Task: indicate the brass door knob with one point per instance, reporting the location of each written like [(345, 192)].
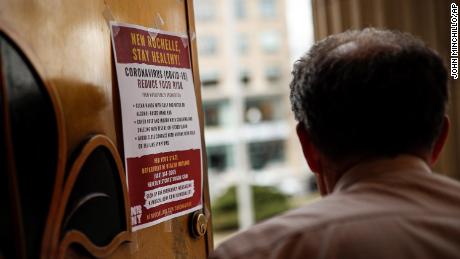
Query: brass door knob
[(199, 224)]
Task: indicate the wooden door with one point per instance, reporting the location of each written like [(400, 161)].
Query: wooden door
[(61, 141)]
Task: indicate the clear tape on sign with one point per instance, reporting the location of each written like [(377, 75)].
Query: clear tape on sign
[(191, 35), (158, 21), (207, 213), (108, 17), (168, 226)]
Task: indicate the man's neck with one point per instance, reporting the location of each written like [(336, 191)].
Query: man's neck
[(333, 171)]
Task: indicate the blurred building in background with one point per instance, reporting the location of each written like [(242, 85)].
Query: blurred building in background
[(261, 45)]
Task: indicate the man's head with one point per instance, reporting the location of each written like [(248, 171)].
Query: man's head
[(370, 93)]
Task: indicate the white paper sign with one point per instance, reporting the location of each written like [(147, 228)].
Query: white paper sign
[(161, 132)]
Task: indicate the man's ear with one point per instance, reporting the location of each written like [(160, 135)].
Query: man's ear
[(440, 141), (309, 150)]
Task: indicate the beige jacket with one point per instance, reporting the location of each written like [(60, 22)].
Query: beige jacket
[(393, 208)]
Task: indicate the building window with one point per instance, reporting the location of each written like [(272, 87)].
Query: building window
[(207, 45), (242, 44), (209, 79), (240, 9), (262, 154), (268, 8), (263, 109), (245, 78), (216, 113), (205, 10), (273, 74), (270, 41), (219, 158)]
